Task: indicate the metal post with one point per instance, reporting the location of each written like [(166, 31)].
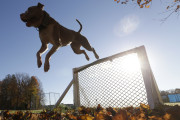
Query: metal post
[(152, 90), (49, 99), (64, 93), (76, 88)]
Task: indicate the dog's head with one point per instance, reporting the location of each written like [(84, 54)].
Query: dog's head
[(33, 15)]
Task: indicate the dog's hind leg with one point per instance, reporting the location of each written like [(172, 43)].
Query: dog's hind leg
[(76, 48), (85, 44)]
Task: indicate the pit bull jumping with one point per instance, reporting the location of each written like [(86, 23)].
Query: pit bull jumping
[(50, 31)]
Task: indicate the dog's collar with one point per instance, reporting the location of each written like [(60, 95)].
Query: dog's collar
[(45, 21)]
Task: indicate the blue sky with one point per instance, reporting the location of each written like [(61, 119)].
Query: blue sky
[(110, 28)]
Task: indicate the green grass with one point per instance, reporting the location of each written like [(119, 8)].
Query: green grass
[(32, 111)]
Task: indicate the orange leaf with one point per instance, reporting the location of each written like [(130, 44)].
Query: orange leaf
[(147, 6), (167, 116), (121, 115)]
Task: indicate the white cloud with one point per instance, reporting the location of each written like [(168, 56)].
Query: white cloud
[(127, 25)]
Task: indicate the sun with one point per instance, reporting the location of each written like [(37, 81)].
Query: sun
[(128, 64), (131, 63)]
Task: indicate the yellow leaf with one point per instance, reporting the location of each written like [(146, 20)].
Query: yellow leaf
[(144, 106), (89, 117), (167, 116), (147, 6), (100, 116), (83, 117)]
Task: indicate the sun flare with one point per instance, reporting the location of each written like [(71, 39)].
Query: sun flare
[(128, 64), (131, 63)]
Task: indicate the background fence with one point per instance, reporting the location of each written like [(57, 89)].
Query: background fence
[(51, 98)]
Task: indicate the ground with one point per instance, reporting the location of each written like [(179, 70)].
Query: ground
[(161, 112)]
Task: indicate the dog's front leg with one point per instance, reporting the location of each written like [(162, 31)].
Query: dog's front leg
[(52, 51), (43, 48)]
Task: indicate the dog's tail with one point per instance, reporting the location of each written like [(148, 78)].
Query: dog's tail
[(80, 26)]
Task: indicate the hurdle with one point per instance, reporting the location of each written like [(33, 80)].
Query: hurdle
[(121, 80)]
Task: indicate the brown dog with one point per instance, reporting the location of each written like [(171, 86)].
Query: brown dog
[(50, 31)]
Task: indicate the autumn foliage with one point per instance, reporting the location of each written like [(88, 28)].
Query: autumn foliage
[(140, 3), (173, 6), (19, 91), (82, 113)]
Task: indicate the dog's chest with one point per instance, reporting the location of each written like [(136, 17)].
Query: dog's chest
[(46, 35)]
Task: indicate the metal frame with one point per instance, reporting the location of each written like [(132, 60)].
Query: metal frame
[(64, 93), (153, 94)]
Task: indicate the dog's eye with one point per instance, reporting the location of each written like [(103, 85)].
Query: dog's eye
[(29, 10)]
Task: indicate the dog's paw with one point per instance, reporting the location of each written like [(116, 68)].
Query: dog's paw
[(97, 57), (39, 63), (95, 54), (87, 58), (46, 66)]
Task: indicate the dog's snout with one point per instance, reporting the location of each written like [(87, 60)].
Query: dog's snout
[(22, 16)]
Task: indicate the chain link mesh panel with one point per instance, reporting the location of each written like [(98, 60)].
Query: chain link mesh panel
[(115, 83)]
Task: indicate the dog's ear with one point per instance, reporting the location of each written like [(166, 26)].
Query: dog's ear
[(40, 6)]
